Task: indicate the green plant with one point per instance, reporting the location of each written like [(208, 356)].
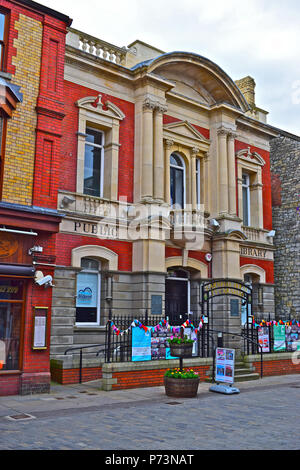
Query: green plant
[(179, 340), (181, 374)]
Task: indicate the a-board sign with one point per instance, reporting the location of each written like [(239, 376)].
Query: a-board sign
[(224, 371)]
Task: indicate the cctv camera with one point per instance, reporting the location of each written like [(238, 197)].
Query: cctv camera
[(44, 281), (271, 234), (214, 223)]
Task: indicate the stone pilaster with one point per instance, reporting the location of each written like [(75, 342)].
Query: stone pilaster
[(231, 174), (158, 157), (223, 170)]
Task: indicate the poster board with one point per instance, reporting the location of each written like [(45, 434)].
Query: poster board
[(141, 345), (279, 338), (292, 337), (224, 371), (39, 336), (264, 338)]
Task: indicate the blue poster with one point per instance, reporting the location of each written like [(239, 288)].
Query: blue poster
[(141, 345), (87, 290)]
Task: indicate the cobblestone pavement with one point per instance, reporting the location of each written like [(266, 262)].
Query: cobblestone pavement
[(264, 416)]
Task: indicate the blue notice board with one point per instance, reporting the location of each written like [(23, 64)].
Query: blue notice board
[(141, 345)]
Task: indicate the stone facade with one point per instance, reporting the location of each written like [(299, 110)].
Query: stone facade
[(285, 167)]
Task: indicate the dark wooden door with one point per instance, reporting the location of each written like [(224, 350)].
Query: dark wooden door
[(176, 301)]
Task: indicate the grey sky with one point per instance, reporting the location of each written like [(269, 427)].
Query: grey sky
[(260, 38)]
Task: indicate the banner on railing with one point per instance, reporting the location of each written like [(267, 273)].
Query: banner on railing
[(264, 338), (151, 343)]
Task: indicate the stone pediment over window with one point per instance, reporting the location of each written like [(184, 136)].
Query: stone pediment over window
[(95, 105), (182, 132), (250, 157)]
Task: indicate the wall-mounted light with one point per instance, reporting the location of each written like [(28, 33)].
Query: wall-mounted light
[(108, 296), (260, 297)]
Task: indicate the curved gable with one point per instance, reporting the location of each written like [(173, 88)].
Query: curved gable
[(206, 80)]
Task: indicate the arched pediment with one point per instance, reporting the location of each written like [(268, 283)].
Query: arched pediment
[(203, 77), (94, 104), (252, 157)]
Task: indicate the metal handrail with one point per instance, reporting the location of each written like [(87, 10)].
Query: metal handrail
[(80, 348)]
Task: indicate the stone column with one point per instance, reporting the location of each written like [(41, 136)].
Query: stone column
[(158, 170), (206, 182), (147, 149), (223, 171), (231, 174), (168, 146), (194, 153)]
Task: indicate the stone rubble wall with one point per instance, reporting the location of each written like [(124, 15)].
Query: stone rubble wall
[(285, 169)]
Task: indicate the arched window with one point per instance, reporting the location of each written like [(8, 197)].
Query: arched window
[(177, 180), (88, 293)]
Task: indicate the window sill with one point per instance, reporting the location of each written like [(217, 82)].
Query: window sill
[(89, 327)]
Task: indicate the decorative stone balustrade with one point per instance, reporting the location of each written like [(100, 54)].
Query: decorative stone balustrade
[(96, 47), (257, 235)]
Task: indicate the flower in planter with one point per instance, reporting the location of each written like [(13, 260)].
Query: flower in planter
[(179, 340), (181, 374)]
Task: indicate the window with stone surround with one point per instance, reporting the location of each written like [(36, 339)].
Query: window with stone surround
[(250, 198), (88, 288), (98, 147)]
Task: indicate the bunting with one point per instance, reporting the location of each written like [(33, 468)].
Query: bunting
[(273, 322), (160, 325)]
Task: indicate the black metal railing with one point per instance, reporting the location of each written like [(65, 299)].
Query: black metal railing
[(118, 338), (118, 347), (80, 349)]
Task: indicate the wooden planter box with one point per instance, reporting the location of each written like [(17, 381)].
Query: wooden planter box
[(181, 350), (181, 388)]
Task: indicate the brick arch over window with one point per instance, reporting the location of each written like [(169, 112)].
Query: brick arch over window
[(253, 269), (109, 257)]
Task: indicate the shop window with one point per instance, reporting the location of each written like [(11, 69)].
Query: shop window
[(11, 309), (93, 162), (177, 181), (88, 293)]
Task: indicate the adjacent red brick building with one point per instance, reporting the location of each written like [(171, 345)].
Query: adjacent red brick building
[(31, 74)]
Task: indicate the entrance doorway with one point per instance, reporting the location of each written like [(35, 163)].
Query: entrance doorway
[(177, 303)]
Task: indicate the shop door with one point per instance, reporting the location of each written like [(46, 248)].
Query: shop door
[(176, 301)]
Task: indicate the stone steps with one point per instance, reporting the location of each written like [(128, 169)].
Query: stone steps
[(242, 373)]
